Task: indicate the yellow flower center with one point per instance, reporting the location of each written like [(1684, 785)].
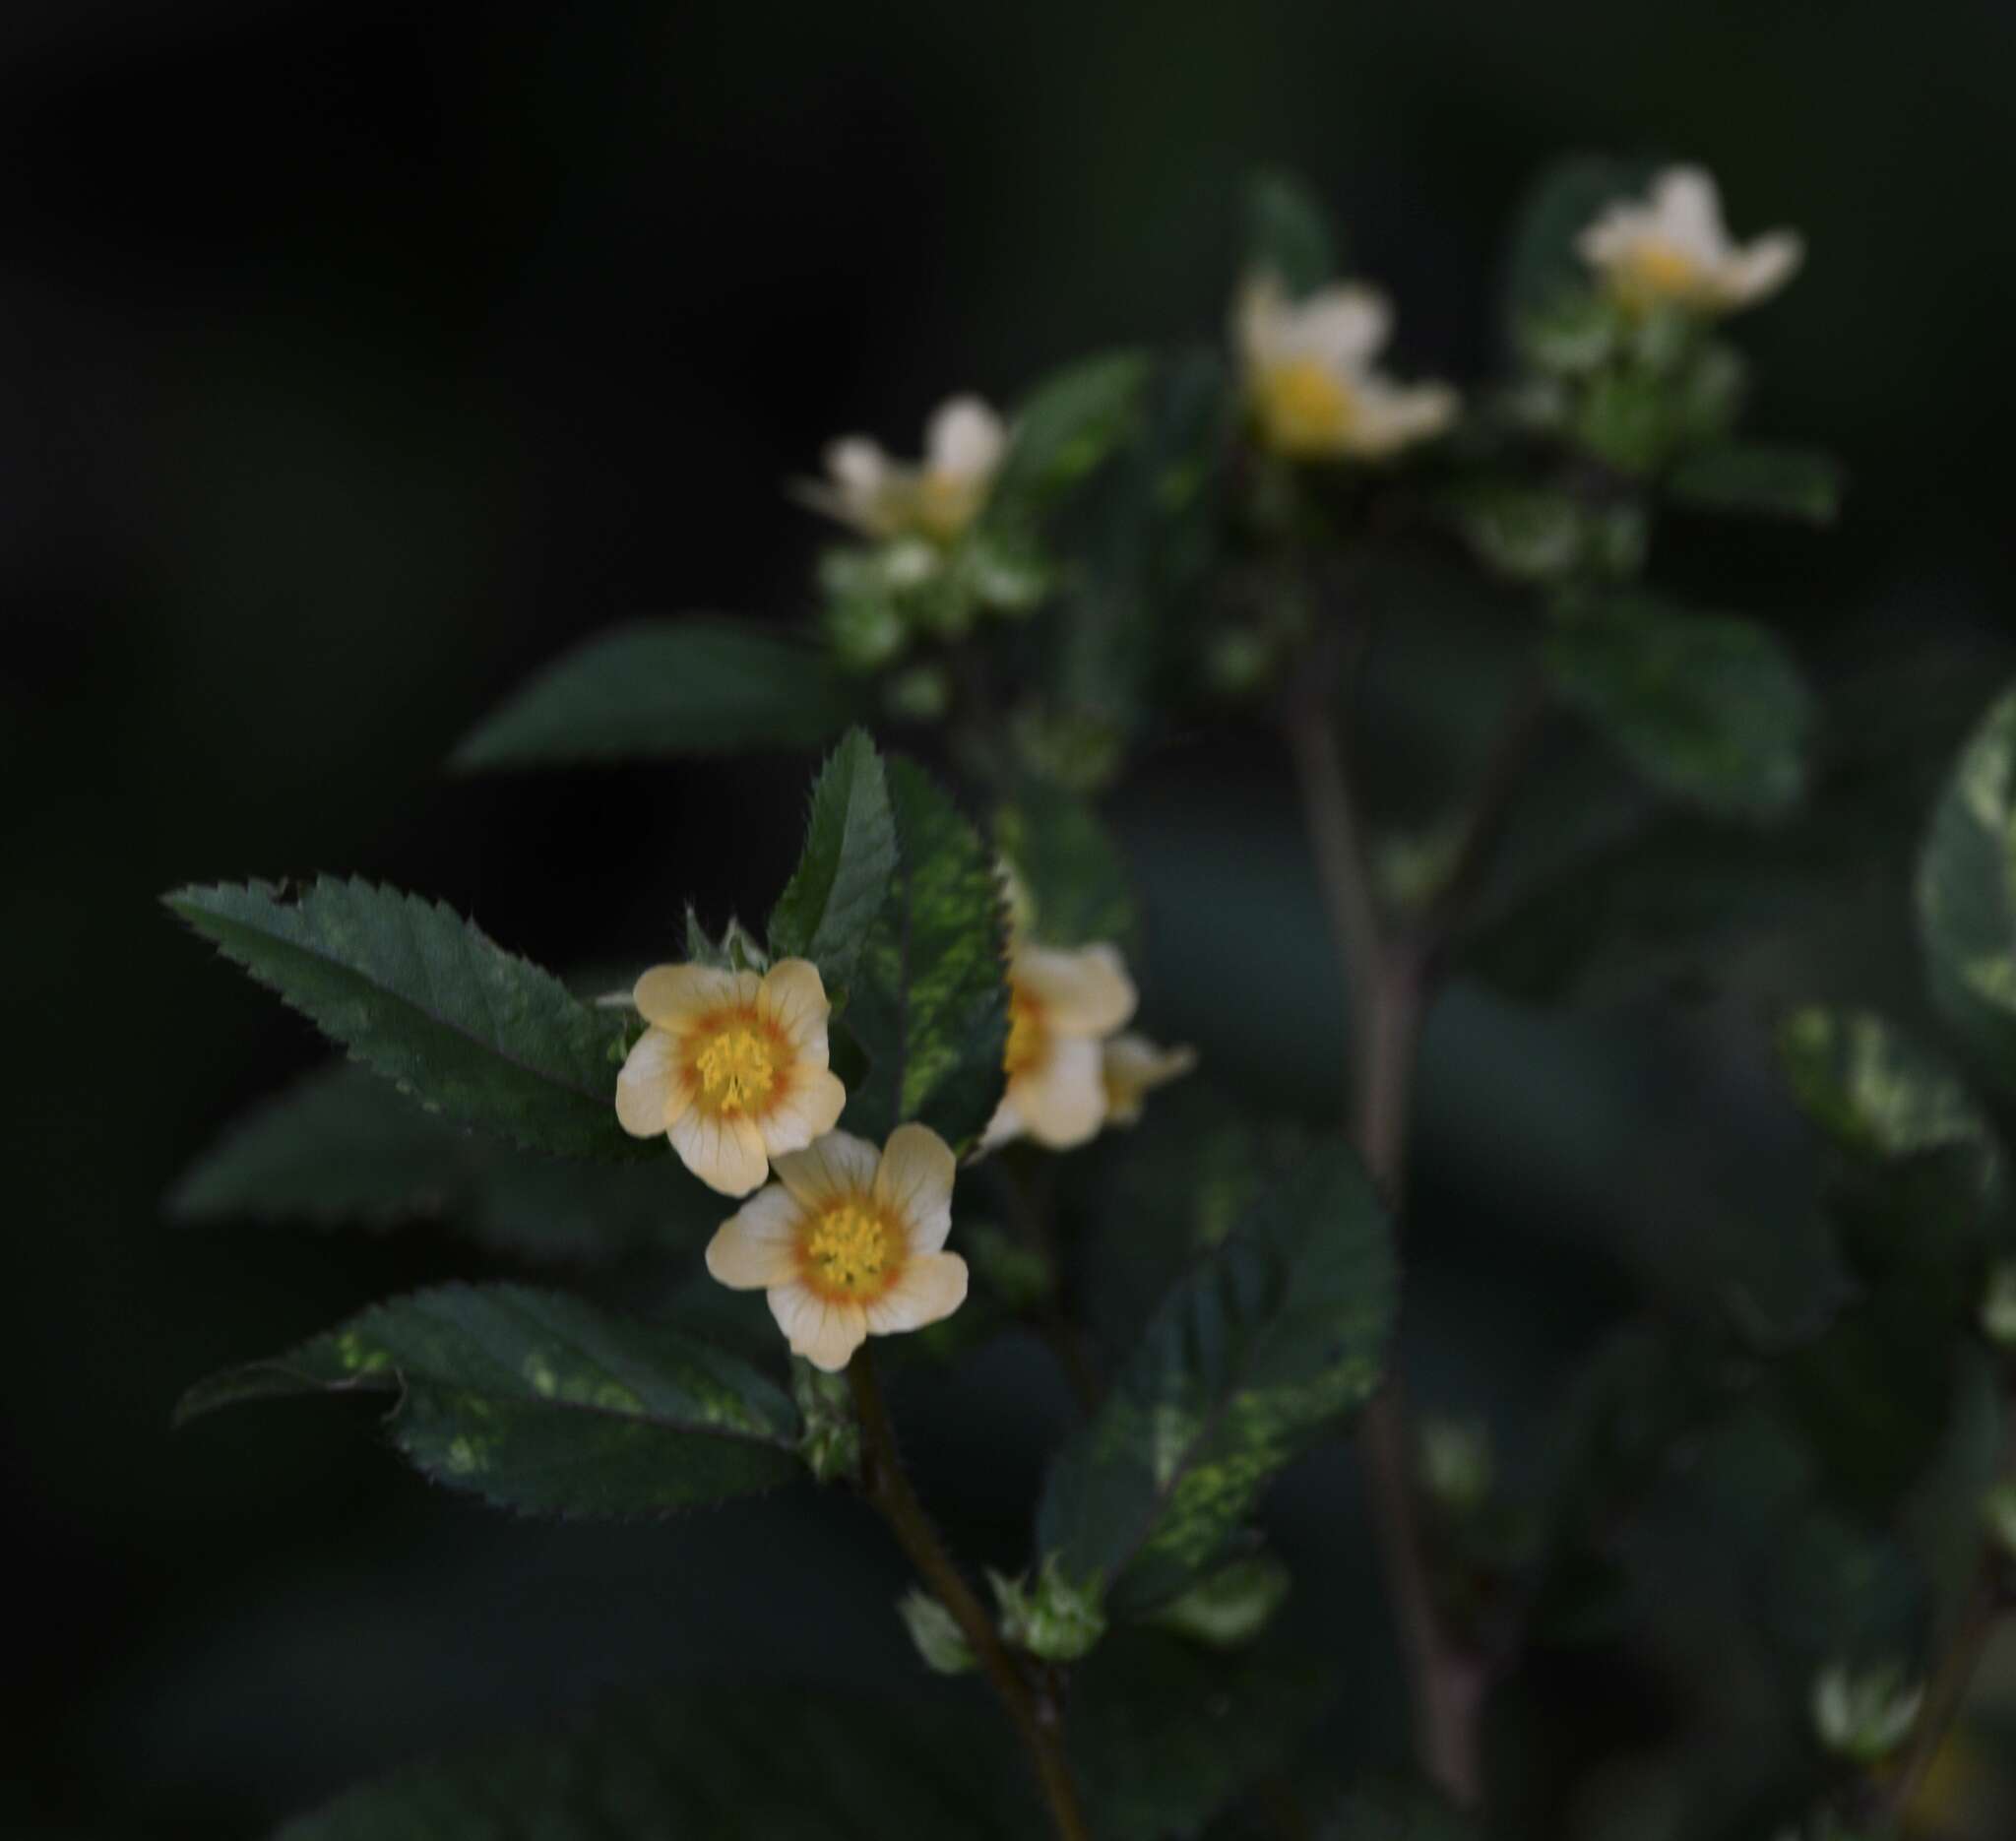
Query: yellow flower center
[(1305, 408), (944, 505), (1654, 270), (1029, 1035), (850, 1251), (738, 1065)]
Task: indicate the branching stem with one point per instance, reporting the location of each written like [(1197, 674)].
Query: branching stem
[(1032, 1710)]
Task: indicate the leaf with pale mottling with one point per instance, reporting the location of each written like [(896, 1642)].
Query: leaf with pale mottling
[(1270, 1343), (930, 1002), (429, 1000), (542, 1403)]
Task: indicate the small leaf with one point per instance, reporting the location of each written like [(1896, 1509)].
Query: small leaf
[(539, 1401), (1966, 896), (666, 687), (1544, 264), (760, 1763), (1064, 429), (1269, 1344), (1070, 867), (343, 1147), (930, 1002), (1288, 234), (1778, 482), (427, 999), (1709, 710), (843, 876)]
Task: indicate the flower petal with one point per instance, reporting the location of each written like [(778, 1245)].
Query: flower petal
[(1764, 266), (1342, 327), (830, 1168), (1686, 209), (810, 1107), (792, 996), (650, 1093), (1393, 415), (673, 995), (824, 1332), (1005, 1126), (757, 1247), (1132, 1067), (932, 1285), (1063, 1101), (963, 439), (915, 1180), (724, 1150), (1260, 321), (1085, 993)]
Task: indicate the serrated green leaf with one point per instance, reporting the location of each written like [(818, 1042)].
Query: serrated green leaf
[(1542, 265), (1064, 429), (843, 877), (929, 1001), (696, 685), (1070, 867), (1966, 896), (1780, 483), (427, 999), (542, 1403), (1266, 1346), (342, 1147), (1290, 232), (1709, 710), (758, 1764)]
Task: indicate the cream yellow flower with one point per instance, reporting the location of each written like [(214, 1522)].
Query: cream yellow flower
[(1310, 379), (1672, 248), (1062, 1005), (849, 1241), (732, 1068), (881, 497), (1132, 1067)]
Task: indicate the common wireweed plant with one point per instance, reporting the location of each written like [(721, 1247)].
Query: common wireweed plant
[(867, 1119)]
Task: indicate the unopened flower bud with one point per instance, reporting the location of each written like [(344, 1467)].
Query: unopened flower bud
[(1456, 1465), (1864, 1714), (936, 1633), (1055, 1619), (1233, 1605), (832, 1442)]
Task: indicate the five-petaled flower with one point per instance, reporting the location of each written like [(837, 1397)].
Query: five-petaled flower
[(1062, 1005), (1672, 248), (883, 499), (1132, 1067), (848, 1242), (1310, 381), (732, 1068)]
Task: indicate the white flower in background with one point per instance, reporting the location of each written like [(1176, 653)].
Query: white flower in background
[(1062, 1005), (1310, 379), (732, 1068), (1132, 1067), (1672, 248), (848, 1242), (938, 499)]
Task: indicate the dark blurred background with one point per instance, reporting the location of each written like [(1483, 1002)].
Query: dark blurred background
[(356, 358)]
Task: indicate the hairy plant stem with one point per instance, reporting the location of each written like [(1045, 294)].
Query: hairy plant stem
[(1032, 1708), (1974, 1629), (1390, 979)]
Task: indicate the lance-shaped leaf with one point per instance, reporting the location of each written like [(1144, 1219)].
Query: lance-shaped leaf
[(667, 687), (1066, 426), (1290, 233), (758, 1764), (1709, 710), (1069, 866), (841, 880), (1771, 481), (541, 1403), (1966, 896), (342, 1147), (427, 999), (929, 1003), (1269, 1344)]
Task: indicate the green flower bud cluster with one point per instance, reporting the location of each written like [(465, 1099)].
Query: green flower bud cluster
[(882, 599), (1231, 1607), (832, 1440), (1864, 1714), (1055, 1619)]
